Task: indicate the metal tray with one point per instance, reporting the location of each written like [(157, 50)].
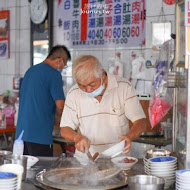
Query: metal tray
[(76, 178)]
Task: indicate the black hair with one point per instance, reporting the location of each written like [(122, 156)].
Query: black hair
[(56, 51)]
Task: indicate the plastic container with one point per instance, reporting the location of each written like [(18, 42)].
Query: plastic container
[(18, 147), (16, 113)]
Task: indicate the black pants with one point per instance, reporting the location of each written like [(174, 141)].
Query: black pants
[(35, 149)]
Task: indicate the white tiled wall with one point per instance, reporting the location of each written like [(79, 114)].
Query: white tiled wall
[(19, 60)]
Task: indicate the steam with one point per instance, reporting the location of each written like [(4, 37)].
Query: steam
[(71, 174)]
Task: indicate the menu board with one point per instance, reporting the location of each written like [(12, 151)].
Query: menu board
[(101, 23)]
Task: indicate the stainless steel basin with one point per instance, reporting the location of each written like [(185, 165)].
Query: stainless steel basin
[(145, 182)]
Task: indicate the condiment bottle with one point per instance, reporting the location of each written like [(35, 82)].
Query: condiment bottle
[(18, 147)]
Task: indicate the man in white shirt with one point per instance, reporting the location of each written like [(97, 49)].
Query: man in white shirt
[(100, 105)]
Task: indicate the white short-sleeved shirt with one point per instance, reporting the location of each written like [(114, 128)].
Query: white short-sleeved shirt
[(103, 122)]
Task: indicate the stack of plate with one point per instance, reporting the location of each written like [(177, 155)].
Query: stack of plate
[(182, 179), (8, 181), (163, 166)]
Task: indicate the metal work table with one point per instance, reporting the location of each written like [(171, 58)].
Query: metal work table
[(45, 163)]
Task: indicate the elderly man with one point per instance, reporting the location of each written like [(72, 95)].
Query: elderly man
[(100, 105)]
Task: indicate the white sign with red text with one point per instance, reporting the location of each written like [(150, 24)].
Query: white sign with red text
[(101, 23)]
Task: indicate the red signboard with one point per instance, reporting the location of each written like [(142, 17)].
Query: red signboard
[(169, 2)]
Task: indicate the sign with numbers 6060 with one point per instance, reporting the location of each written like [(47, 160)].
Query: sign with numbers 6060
[(101, 23)]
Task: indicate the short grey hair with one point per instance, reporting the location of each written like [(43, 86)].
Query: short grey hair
[(86, 66)]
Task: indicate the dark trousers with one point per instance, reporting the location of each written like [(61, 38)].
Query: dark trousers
[(35, 149)]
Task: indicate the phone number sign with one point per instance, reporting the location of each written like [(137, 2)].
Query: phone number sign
[(101, 23)]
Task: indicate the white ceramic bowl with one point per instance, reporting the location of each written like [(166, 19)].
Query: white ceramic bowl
[(9, 186), (172, 176), (162, 160), (182, 184), (114, 150), (16, 169), (183, 173), (167, 166), (163, 169), (186, 187), (31, 161), (169, 173), (183, 180), (120, 162)]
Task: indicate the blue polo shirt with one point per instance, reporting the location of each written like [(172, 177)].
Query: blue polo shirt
[(41, 86)]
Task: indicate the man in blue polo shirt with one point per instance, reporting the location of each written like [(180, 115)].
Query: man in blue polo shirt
[(41, 98)]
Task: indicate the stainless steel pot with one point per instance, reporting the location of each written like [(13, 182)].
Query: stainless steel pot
[(5, 152), (17, 159), (157, 152), (145, 182)]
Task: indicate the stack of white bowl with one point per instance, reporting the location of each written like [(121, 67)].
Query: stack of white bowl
[(163, 166), (8, 181), (182, 179)]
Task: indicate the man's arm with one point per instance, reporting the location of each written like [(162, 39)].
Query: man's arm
[(137, 129), (59, 110), (82, 143)]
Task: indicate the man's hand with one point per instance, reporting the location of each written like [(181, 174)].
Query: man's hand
[(138, 127), (127, 144), (82, 143)]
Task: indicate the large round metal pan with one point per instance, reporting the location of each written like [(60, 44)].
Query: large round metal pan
[(78, 178)]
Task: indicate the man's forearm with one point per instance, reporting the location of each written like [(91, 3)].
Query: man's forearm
[(69, 134), (58, 115), (137, 129)]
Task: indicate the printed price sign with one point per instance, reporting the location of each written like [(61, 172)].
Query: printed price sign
[(101, 23)]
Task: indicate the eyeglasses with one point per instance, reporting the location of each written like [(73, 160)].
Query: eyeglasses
[(65, 65)]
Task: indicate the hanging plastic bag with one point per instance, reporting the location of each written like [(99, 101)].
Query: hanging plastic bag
[(161, 102), (158, 108), (115, 65)]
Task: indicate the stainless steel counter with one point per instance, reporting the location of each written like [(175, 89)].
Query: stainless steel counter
[(46, 162)]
